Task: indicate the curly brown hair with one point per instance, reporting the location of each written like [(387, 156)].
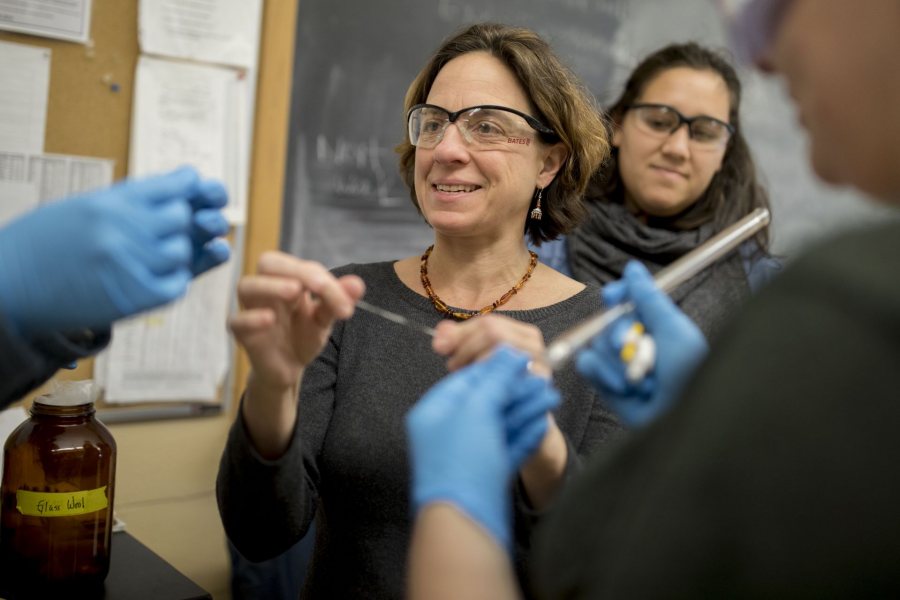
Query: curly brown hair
[(559, 100)]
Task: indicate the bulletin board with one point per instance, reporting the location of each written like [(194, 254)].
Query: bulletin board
[(89, 114)]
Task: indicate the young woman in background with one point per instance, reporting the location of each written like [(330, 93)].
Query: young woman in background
[(679, 173)]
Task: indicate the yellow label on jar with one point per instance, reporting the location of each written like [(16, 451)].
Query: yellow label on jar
[(67, 504)]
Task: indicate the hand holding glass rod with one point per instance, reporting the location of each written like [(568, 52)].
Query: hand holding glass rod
[(667, 279)]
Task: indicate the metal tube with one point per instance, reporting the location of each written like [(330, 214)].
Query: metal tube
[(668, 280)]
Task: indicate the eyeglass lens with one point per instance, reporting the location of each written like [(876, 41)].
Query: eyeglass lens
[(480, 127), (665, 120)]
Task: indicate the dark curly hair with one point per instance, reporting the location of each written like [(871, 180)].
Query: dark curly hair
[(560, 101)]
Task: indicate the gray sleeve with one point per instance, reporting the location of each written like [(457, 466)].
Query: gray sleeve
[(268, 505), (586, 425)]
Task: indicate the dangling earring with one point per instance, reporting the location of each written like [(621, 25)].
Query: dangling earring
[(536, 212)]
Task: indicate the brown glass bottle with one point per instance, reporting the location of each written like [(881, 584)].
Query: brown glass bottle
[(57, 498)]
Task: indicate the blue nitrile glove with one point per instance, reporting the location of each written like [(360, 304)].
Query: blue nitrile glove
[(86, 261), (526, 416), (470, 433), (680, 347), (208, 225)]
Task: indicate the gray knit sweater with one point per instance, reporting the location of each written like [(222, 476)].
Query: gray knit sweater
[(347, 465)]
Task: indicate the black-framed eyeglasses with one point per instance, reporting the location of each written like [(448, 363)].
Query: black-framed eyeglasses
[(482, 127), (663, 120)]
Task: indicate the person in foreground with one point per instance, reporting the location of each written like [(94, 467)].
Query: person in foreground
[(501, 140), (71, 268), (772, 472), (680, 172)]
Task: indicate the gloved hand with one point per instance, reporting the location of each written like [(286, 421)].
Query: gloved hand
[(680, 347), (207, 225), (86, 261), (470, 433)]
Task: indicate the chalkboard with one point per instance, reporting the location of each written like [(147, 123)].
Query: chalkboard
[(344, 201)]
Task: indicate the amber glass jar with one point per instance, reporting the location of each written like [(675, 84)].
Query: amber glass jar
[(57, 497)]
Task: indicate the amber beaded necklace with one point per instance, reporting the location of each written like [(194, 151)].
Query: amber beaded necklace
[(442, 307)]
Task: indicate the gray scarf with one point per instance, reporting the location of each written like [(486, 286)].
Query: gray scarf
[(611, 236)]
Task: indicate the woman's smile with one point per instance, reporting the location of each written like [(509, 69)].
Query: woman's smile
[(452, 188)]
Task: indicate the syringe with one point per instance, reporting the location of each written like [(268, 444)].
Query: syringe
[(668, 280)]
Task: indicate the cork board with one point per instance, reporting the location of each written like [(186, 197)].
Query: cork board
[(89, 114)]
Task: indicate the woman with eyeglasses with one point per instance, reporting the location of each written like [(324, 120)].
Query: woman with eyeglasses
[(680, 172), (501, 139)]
